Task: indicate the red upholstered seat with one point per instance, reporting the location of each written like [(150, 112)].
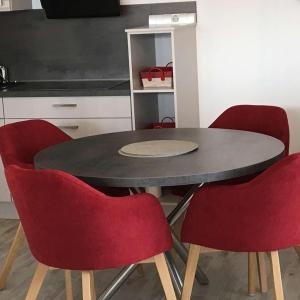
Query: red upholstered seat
[(258, 216), (70, 225), (228, 201), (270, 120), (21, 141)]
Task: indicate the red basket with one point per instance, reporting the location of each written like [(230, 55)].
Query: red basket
[(164, 124), (157, 77)]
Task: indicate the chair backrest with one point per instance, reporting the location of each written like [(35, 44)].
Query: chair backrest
[(270, 120), (20, 141), (261, 215), (70, 225)]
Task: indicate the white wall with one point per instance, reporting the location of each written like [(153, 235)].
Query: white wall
[(249, 52)]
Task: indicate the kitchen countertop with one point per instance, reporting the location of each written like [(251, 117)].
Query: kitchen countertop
[(67, 88)]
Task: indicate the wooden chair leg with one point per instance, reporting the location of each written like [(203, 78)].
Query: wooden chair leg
[(18, 240), (68, 283), (37, 282), (262, 272), (86, 285), (165, 278), (251, 273), (277, 276), (297, 249), (190, 272), (93, 289)]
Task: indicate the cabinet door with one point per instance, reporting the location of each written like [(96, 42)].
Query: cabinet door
[(67, 107), (4, 191), (78, 128)]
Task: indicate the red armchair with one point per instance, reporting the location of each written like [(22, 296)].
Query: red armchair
[(19, 142), (270, 120), (259, 216), (69, 225)]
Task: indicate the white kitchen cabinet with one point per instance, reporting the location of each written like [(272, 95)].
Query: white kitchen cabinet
[(67, 107), (77, 116), (78, 128), (10, 5)]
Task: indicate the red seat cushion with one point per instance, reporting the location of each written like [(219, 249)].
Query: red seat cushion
[(259, 216), (70, 225), (269, 120)]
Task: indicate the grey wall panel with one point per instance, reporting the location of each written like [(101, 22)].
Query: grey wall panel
[(35, 48)]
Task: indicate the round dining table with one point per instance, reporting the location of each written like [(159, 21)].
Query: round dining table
[(222, 154)]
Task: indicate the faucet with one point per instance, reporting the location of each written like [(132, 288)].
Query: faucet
[(3, 75)]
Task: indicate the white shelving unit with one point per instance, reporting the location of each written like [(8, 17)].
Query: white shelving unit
[(157, 46)]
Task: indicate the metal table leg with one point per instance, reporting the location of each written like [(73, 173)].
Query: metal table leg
[(178, 211), (179, 247), (175, 276), (117, 282)]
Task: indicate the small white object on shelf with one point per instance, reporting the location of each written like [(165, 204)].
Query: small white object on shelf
[(172, 20)]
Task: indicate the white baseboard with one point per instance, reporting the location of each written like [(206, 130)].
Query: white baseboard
[(8, 211)]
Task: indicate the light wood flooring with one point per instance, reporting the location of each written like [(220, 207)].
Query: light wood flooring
[(227, 273)]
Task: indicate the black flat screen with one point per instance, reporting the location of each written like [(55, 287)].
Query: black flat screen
[(57, 9)]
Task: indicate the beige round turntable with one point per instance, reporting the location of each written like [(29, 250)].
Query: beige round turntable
[(158, 148)]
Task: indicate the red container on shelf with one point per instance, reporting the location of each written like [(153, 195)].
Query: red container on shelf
[(157, 77), (164, 124)]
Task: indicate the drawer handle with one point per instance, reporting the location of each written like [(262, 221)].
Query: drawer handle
[(71, 127), (65, 105)]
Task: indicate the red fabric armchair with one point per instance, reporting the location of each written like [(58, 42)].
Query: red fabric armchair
[(259, 216), (69, 225), (19, 142), (269, 120)]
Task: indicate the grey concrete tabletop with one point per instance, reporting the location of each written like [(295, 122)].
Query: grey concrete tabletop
[(222, 154)]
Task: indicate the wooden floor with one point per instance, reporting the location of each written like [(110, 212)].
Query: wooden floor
[(227, 273)]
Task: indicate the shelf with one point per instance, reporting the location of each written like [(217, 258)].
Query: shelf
[(149, 91)]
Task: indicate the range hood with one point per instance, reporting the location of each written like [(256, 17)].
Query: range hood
[(58, 9)]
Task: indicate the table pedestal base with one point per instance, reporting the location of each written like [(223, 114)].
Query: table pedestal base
[(178, 211)]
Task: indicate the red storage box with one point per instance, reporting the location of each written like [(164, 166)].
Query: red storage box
[(157, 77), (164, 124)]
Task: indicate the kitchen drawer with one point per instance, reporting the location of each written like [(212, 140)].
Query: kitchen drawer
[(67, 107), (77, 128)]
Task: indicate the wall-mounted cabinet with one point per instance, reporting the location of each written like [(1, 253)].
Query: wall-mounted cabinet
[(10, 5), (149, 47)]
